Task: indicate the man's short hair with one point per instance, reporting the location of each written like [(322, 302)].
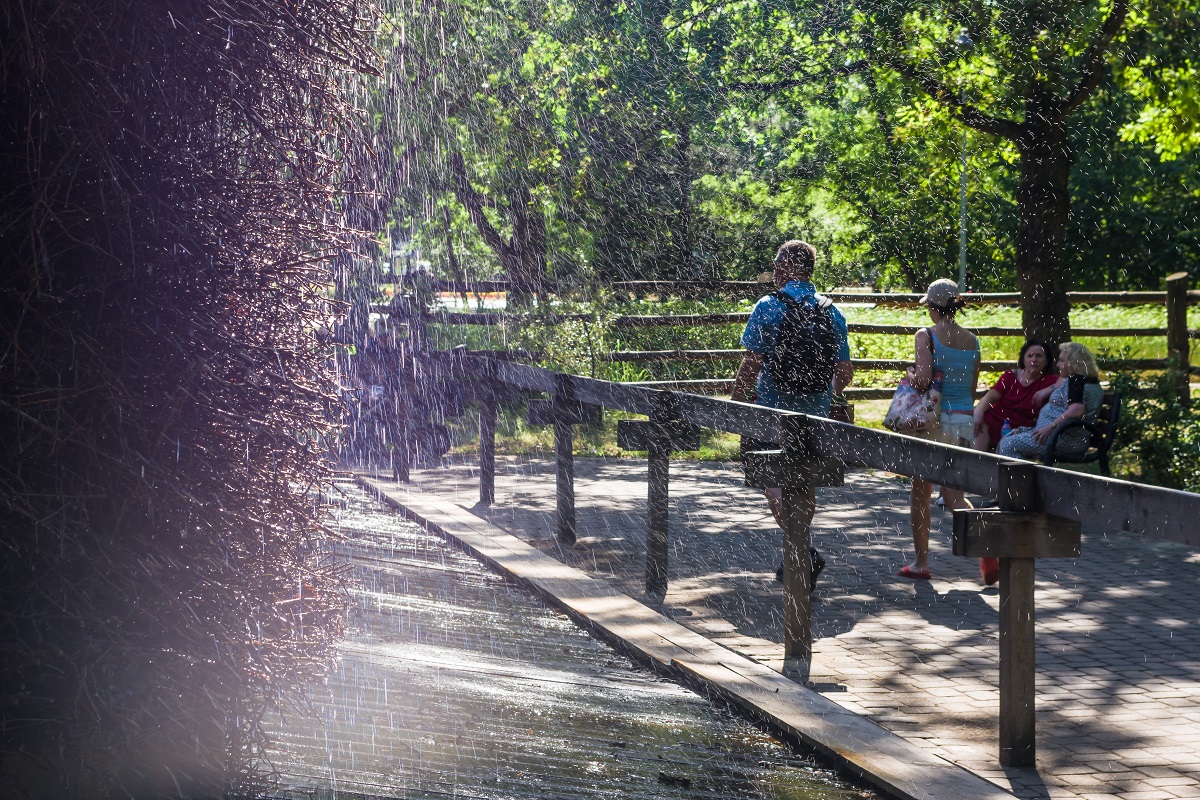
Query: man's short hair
[(801, 256)]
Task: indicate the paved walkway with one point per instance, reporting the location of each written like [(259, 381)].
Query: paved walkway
[(1118, 641)]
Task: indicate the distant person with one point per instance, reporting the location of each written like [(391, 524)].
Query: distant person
[(802, 371), (1076, 394), (1012, 400), (951, 349)]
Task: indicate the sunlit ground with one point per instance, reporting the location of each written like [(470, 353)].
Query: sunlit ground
[(453, 683)]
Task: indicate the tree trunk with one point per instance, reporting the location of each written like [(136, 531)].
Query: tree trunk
[(524, 258), (1043, 209)]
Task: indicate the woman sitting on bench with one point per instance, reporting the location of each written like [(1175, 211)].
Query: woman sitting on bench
[(1076, 395)]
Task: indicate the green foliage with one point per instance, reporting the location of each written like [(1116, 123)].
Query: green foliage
[(1158, 440)]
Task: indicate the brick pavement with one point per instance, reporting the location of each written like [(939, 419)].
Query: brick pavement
[(1118, 654)]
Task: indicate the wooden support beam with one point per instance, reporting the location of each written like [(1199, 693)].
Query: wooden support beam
[(487, 452), (674, 435), (796, 471), (564, 458), (548, 412), (1016, 534), (659, 436)]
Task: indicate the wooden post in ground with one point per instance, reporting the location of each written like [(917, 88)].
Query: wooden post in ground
[(1178, 344), (659, 436), (564, 459), (1016, 534), (563, 412), (487, 451), (797, 472)]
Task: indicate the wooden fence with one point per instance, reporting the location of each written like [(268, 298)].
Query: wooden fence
[(1176, 299), (1040, 509)]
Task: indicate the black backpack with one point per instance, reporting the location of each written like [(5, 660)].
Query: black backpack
[(806, 347)]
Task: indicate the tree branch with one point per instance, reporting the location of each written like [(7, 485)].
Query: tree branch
[(474, 201), (947, 97), (1093, 62)]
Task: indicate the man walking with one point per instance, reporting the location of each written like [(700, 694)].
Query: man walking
[(797, 352)]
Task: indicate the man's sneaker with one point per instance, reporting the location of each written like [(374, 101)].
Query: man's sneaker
[(818, 564)]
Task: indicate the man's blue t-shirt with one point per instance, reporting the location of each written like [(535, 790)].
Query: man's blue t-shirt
[(759, 337)]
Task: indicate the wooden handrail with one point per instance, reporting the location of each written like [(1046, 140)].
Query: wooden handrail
[(1152, 511)]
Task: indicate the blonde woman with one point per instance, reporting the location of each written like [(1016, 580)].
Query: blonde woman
[(1076, 395), (951, 349)]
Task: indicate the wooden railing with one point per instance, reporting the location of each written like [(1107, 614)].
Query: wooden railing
[(1176, 298), (754, 289), (1040, 509)]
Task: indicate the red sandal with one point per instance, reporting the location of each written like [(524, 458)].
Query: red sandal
[(914, 574)]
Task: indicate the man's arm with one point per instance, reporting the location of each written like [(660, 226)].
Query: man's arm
[(843, 374), (747, 375)]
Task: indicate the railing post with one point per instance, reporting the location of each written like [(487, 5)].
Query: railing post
[(564, 458), (1178, 343), (1018, 659), (402, 454), (562, 412), (797, 471), (487, 450), (799, 506), (663, 433), (1016, 534)]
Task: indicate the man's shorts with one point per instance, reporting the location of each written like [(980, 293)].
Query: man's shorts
[(957, 429)]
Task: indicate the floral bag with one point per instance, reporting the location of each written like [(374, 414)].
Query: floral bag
[(916, 412)]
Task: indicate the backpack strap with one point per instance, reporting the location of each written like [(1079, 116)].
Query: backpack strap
[(822, 301), (789, 301), (784, 297)]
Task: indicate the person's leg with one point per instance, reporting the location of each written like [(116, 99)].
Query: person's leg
[(774, 497), (775, 501), (919, 518), (983, 438)]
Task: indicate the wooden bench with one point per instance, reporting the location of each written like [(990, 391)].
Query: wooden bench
[(1102, 431)]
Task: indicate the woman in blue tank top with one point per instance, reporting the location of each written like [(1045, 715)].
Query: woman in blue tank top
[(952, 349)]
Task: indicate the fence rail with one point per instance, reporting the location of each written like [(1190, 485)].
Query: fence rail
[(750, 289), (1176, 298)]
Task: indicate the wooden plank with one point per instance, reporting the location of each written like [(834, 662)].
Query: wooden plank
[(745, 419), (545, 412), (882, 758), (520, 376), (910, 330), (884, 364), (673, 435), (1153, 511), (623, 397), (957, 467), (1119, 505), (679, 320), (758, 288), (992, 533), (878, 756)]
